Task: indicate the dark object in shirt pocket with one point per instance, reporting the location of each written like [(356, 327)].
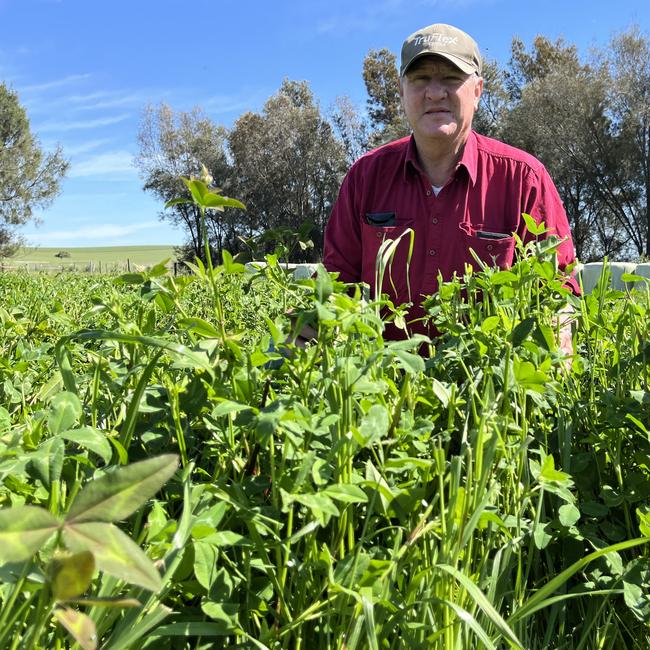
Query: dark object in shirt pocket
[(485, 234), (381, 219)]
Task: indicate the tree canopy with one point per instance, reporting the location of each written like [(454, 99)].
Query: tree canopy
[(29, 178)]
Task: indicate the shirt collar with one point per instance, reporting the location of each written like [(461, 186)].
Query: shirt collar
[(469, 158)]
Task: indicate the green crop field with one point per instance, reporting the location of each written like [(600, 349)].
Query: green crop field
[(175, 472), (109, 257)]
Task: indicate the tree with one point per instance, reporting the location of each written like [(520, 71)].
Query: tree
[(495, 100), (559, 113), (28, 177), (381, 77), (351, 128), (628, 64), (287, 164), (174, 144)]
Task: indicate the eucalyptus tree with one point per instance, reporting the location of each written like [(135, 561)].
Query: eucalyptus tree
[(287, 164), (174, 144), (29, 178)]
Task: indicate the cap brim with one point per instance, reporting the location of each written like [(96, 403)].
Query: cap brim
[(467, 68)]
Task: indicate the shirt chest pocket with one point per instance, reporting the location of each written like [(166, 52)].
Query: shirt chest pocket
[(492, 248)]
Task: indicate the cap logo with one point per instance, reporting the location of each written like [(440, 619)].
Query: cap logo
[(436, 37)]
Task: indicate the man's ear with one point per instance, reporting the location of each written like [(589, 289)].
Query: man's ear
[(478, 91)]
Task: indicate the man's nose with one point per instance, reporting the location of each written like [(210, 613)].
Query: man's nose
[(435, 89)]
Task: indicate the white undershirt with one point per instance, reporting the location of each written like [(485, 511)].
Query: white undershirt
[(436, 190)]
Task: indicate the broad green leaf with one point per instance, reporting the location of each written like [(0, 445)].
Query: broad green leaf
[(411, 363), (374, 424), (65, 410), (224, 613), (227, 407), (541, 537), (568, 514), (531, 224), (71, 575), (346, 492), (92, 439), (48, 461), (226, 538), (636, 582), (5, 420), (121, 492), (549, 473), (23, 530), (230, 265), (199, 326), (115, 553), (522, 330), (205, 564), (80, 627), (503, 277)]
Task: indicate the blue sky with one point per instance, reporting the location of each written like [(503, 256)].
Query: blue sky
[(85, 70)]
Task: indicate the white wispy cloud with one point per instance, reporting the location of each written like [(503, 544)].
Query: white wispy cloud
[(108, 164), (74, 125), (82, 147), (105, 232), (55, 83)]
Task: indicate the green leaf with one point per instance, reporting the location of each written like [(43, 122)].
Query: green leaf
[(71, 575), (48, 461), (541, 537), (227, 407), (230, 265), (65, 410), (121, 492), (92, 439), (80, 627), (533, 227), (115, 553), (412, 363), (374, 424), (199, 326), (205, 564), (568, 515), (23, 530), (224, 613), (346, 492), (549, 473), (522, 330)]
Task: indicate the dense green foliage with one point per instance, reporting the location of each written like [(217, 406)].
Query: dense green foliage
[(470, 491), (28, 177)]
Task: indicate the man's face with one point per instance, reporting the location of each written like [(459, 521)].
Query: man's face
[(439, 99)]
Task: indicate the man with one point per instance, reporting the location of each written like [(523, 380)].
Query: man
[(455, 189)]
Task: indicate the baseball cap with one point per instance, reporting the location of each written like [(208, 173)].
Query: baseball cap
[(442, 40)]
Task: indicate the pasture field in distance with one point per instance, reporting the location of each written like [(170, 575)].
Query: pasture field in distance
[(81, 257)]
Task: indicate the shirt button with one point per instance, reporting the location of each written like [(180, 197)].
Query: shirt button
[(428, 192), (379, 235), (434, 220), (432, 252), (490, 247)]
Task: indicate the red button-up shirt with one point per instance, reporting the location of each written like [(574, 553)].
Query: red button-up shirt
[(492, 185)]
